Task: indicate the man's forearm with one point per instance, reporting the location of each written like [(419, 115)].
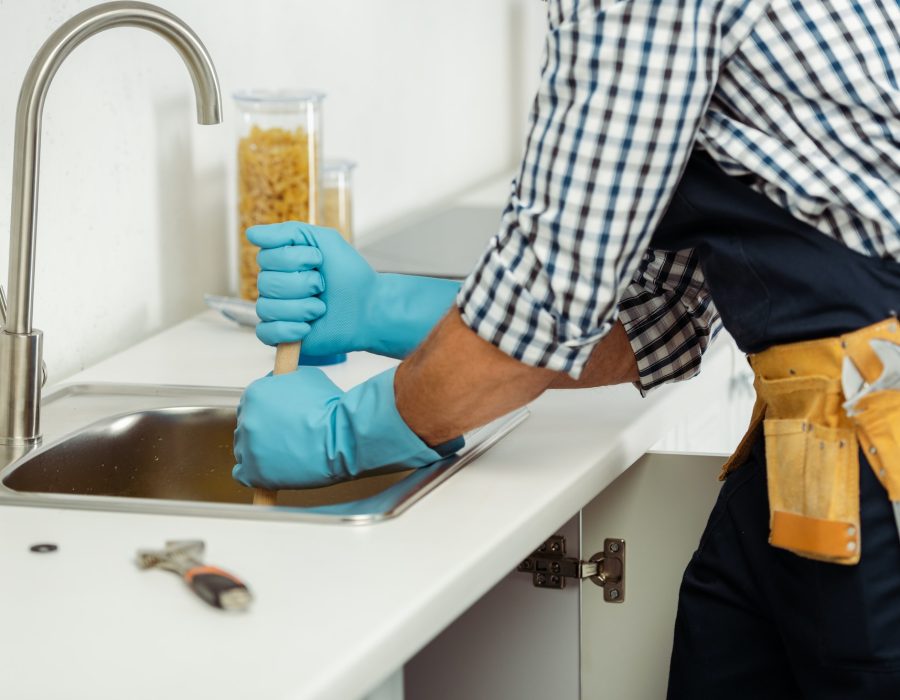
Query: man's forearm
[(456, 381)]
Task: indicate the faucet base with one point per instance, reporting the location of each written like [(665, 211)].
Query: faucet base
[(20, 393)]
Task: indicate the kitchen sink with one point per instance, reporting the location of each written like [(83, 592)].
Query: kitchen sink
[(168, 449)]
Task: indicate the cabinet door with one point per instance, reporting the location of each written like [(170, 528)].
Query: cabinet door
[(517, 643), (660, 507)]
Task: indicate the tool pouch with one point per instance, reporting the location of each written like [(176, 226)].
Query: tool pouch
[(878, 425), (812, 445), (813, 468)]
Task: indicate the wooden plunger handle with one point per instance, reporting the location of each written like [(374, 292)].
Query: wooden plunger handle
[(286, 358)]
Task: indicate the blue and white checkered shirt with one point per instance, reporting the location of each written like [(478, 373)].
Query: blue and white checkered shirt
[(801, 95)]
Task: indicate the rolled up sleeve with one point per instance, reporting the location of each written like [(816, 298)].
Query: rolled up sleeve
[(624, 87)]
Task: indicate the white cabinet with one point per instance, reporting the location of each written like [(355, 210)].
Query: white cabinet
[(522, 642), (660, 507)]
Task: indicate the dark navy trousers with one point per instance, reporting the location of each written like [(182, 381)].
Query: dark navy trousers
[(759, 623), (755, 622)]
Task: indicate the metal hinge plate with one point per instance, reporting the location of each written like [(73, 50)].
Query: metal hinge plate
[(550, 567)]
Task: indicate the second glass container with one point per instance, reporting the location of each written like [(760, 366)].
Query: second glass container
[(337, 196)]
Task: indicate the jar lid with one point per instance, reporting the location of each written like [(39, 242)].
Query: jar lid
[(286, 97), (338, 164)]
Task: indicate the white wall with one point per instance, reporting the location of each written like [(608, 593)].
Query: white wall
[(429, 97)]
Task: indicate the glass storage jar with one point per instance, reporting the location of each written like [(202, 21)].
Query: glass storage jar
[(278, 166), (337, 196)]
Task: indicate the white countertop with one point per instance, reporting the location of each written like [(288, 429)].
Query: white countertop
[(338, 607)]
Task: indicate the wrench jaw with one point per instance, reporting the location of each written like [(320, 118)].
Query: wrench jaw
[(179, 556), (147, 559), (852, 382), (889, 354), (855, 386)]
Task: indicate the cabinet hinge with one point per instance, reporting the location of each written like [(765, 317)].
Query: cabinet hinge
[(550, 567)]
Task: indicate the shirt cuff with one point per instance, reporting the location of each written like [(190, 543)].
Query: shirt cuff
[(668, 342), (517, 318)]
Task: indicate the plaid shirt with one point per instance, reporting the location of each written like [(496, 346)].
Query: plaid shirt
[(801, 95)]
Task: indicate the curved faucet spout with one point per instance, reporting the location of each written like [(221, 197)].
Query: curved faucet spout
[(19, 342), (28, 123)]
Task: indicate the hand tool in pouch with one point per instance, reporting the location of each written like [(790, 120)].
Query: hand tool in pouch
[(857, 390), (217, 587), (286, 358)]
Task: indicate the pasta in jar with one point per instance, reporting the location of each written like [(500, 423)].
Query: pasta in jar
[(278, 168)]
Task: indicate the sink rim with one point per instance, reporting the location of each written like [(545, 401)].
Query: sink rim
[(385, 505)]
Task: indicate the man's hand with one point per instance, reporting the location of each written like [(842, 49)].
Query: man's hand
[(457, 381), (315, 287), (300, 430)]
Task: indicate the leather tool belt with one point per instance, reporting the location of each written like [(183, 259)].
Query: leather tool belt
[(812, 445)]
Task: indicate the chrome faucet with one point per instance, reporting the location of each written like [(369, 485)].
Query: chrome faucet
[(20, 343)]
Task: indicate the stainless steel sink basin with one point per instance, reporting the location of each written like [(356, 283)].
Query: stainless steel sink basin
[(169, 450)]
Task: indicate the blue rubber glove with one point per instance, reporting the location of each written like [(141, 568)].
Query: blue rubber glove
[(315, 287), (300, 430)]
